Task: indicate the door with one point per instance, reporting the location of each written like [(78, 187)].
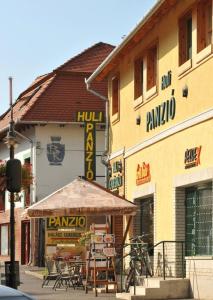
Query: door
[(25, 242), (144, 220)]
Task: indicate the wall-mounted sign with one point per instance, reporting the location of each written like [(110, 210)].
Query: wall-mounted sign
[(61, 237), (166, 80), (90, 118), (89, 151), (143, 173), (161, 114), (192, 157), (74, 222), (115, 174), (55, 151), (115, 182)]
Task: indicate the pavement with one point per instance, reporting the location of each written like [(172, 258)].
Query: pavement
[(32, 286)]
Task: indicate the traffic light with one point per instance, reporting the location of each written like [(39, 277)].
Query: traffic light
[(13, 174)]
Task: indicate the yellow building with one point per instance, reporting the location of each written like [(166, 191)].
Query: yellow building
[(161, 131)]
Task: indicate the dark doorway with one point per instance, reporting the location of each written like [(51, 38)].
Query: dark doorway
[(144, 220), (25, 242)]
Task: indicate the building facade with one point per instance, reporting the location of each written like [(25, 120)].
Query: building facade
[(161, 127), (52, 139)]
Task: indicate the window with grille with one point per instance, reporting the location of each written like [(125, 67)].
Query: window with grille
[(199, 213), (138, 78), (185, 38), (115, 95), (151, 67), (204, 24)]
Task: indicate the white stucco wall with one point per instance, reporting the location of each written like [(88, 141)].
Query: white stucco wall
[(22, 151), (48, 178)]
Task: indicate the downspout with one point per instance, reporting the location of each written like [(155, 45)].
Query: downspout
[(105, 155), (34, 192)]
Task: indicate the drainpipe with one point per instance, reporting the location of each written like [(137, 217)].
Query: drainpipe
[(33, 198), (105, 155)]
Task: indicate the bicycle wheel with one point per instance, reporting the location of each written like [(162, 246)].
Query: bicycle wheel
[(148, 264), (129, 280)]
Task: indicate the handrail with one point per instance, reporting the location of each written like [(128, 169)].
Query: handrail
[(164, 261), (163, 243)]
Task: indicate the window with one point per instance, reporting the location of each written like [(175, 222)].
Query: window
[(151, 67), (185, 38), (204, 24), (4, 239), (115, 95), (138, 78), (199, 224), (2, 201)]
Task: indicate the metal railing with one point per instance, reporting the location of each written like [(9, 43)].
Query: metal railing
[(170, 261)]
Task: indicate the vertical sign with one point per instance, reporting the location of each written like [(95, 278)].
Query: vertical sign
[(90, 118), (89, 152)]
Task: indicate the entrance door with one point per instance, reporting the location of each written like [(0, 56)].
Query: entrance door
[(144, 221), (25, 242)]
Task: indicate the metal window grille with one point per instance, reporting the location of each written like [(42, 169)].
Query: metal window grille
[(199, 213)]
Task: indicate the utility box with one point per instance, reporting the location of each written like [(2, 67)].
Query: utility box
[(8, 272)]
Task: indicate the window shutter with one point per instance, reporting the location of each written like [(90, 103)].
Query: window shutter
[(201, 44), (182, 41), (151, 67), (138, 78), (115, 95)]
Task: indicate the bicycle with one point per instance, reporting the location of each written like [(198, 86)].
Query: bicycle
[(140, 262)]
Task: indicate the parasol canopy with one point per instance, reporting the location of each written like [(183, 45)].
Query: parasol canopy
[(81, 197)]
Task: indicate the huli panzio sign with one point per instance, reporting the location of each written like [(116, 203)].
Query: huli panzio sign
[(90, 118)]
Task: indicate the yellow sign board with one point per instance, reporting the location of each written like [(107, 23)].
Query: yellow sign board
[(72, 222)]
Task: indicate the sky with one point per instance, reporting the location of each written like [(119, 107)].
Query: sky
[(36, 36)]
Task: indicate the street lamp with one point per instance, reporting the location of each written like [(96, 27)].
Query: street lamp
[(13, 173)]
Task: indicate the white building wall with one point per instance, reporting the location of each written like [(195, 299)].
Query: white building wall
[(49, 177), (23, 150)]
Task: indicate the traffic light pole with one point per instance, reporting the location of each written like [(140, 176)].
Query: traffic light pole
[(12, 273), (12, 280)]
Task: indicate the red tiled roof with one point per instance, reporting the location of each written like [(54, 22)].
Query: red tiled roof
[(93, 56), (58, 95)]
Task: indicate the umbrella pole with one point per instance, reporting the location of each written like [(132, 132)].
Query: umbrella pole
[(127, 229)]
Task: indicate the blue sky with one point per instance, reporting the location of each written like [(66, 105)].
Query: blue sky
[(39, 35)]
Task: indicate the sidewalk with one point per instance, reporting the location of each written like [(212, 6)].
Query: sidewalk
[(32, 286)]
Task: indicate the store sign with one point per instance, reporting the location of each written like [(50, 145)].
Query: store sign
[(61, 237), (192, 157), (161, 114), (74, 222), (116, 179), (90, 118), (166, 80), (143, 173), (115, 182)]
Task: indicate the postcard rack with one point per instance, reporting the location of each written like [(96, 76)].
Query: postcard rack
[(100, 267)]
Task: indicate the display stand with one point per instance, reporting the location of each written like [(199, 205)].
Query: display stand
[(100, 268)]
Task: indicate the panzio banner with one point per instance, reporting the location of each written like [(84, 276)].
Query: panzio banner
[(90, 118)]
